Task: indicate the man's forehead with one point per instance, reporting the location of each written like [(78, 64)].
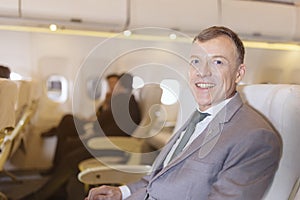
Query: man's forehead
[(198, 51)]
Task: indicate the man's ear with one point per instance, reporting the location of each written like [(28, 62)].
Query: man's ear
[(240, 73)]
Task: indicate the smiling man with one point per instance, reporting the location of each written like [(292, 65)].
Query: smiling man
[(230, 152)]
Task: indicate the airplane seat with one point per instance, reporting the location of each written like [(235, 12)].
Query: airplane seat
[(24, 97), (153, 120), (164, 130), (36, 93), (9, 95), (23, 114), (280, 104), (150, 107), (94, 171), (149, 100), (113, 169)]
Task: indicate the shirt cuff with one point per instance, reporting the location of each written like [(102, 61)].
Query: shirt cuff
[(125, 191)]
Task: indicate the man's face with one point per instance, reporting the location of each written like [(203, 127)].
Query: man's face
[(214, 71)]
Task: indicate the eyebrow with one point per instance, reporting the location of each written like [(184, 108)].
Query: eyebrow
[(211, 56)]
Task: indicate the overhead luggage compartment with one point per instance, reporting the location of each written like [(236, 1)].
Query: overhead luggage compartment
[(9, 8), (297, 32), (102, 13), (265, 19), (186, 16)]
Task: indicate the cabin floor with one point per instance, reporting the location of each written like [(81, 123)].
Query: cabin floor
[(26, 164), (27, 181)]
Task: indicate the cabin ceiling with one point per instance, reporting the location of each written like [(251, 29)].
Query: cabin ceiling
[(277, 20)]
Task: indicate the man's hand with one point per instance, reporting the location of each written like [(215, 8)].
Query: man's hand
[(104, 193)]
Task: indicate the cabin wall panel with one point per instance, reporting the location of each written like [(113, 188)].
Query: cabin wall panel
[(103, 13), (186, 16), (9, 8), (262, 19), (297, 27), (15, 51), (262, 66)]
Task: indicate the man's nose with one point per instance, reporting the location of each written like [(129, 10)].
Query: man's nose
[(204, 70)]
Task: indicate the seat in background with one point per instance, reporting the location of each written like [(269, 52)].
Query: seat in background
[(105, 171), (150, 106), (23, 113), (280, 104), (8, 93), (92, 169)]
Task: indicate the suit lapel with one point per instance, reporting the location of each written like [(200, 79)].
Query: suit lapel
[(206, 141)]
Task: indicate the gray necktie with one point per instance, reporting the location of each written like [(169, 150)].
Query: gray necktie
[(197, 117)]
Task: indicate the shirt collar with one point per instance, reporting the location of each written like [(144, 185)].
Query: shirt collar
[(217, 107)]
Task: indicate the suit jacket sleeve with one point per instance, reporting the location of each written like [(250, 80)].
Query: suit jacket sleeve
[(138, 189)]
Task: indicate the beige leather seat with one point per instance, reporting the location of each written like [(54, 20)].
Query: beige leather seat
[(280, 104), (150, 105), (8, 93), (23, 113)]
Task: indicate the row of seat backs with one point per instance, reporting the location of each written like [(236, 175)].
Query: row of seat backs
[(153, 111), (15, 97), (18, 103)]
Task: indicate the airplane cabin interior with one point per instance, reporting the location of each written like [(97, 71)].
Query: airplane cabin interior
[(59, 53)]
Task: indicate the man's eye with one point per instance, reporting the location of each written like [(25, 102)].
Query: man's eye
[(194, 61), (218, 62)]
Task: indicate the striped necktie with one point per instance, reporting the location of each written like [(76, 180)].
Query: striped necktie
[(196, 118)]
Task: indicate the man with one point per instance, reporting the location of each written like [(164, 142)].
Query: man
[(233, 152)]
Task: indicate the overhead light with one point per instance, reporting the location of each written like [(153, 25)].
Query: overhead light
[(172, 36), (15, 76), (127, 33), (53, 27)]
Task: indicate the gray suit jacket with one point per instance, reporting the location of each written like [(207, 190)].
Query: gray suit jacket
[(235, 157)]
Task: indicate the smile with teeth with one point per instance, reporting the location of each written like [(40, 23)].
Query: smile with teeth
[(205, 85)]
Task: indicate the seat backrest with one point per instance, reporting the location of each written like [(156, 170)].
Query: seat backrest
[(150, 106), (150, 96), (8, 94), (280, 104), (24, 97)]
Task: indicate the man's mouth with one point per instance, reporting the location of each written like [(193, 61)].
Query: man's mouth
[(205, 85)]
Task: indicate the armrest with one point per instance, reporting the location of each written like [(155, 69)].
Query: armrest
[(113, 174), (129, 144)]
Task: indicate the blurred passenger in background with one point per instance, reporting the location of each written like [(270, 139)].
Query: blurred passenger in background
[(119, 115), (107, 121), (4, 72)]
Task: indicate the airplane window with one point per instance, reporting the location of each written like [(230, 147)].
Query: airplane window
[(137, 82), (15, 76), (57, 88), (170, 91)]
